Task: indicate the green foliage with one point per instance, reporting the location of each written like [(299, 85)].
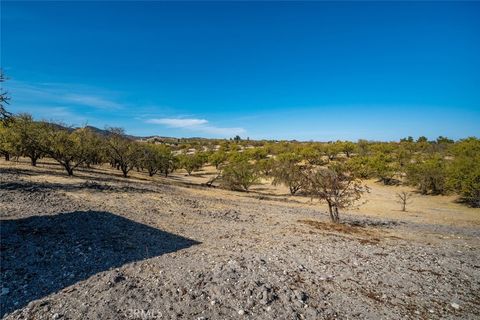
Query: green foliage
[(192, 162), (361, 167), (239, 175), (123, 152), (218, 158), (348, 148), (26, 137), (428, 176), (312, 155), (265, 166), (331, 150), (288, 172), (256, 153), (7, 144), (383, 167), (463, 174), (68, 149)]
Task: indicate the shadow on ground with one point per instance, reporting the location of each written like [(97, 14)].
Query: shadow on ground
[(43, 254), (28, 186)]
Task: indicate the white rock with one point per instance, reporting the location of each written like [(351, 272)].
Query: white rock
[(213, 302), (241, 312), (455, 306)]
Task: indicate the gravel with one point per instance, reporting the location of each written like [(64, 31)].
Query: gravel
[(137, 250)]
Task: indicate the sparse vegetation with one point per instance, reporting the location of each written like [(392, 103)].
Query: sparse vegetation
[(433, 167), (336, 185), (404, 198), (239, 175)]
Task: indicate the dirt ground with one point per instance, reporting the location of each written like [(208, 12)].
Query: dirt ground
[(98, 246)]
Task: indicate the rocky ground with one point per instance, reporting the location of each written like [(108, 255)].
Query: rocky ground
[(102, 247)]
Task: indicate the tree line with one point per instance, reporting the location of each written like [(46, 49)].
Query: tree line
[(332, 172)]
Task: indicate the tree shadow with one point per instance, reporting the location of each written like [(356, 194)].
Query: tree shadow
[(43, 254), (28, 186), (81, 173)]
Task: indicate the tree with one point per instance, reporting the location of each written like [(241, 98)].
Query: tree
[(151, 158), (363, 147), (428, 176), (6, 140), (348, 147), (289, 173), (168, 162), (68, 149), (218, 158), (27, 135), (404, 198), (361, 167), (123, 151), (422, 139), (331, 150), (239, 175), (257, 153), (265, 166), (5, 116), (312, 155), (383, 167), (336, 185), (157, 158), (191, 162), (463, 173)]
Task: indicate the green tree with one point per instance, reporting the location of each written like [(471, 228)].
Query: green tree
[(123, 152), (239, 175), (265, 166), (288, 172), (191, 162), (463, 173), (7, 141), (384, 167), (312, 155), (348, 148), (428, 176), (68, 149), (218, 158), (27, 135)]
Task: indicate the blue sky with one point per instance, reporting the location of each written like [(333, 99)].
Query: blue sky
[(283, 70)]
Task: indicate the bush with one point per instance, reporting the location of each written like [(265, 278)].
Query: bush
[(191, 162), (428, 176), (463, 174), (68, 149), (290, 174), (123, 152), (239, 175)]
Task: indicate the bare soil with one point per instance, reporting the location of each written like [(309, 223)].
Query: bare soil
[(98, 246)]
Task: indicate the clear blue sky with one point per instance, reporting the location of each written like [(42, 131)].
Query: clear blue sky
[(320, 71)]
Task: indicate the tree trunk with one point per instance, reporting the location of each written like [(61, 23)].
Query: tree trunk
[(33, 160), (69, 169), (7, 156), (333, 210), (336, 215), (330, 211)]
